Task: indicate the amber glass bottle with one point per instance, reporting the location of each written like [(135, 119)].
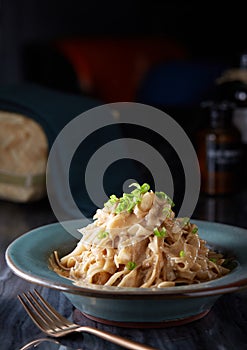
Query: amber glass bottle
[(219, 150), (232, 86)]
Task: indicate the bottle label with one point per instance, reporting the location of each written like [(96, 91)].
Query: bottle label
[(223, 157)]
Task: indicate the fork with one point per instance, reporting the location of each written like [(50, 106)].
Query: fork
[(55, 325)]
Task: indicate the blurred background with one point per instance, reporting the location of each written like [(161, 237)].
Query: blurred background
[(168, 54), (165, 53), (59, 43)]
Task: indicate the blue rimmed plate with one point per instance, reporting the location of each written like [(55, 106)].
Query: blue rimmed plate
[(28, 257)]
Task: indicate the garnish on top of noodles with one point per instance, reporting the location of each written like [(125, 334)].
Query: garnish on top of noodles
[(136, 241), (131, 218)]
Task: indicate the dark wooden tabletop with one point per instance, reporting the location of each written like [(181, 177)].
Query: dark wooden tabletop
[(223, 328)]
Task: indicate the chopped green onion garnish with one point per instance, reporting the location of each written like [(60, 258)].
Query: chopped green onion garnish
[(156, 231), (195, 229), (131, 265), (122, 205), (213, 260), (113, 199), (128, 201), (145, 188), (159, 233), (102, 234), (185, 221), (181, 253)]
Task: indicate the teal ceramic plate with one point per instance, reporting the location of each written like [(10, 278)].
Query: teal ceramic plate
[(28, 256)]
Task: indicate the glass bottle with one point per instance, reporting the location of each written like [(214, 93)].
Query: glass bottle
[(219, 150), (232, 86)]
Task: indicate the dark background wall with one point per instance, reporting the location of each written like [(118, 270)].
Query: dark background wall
[(207, 30)]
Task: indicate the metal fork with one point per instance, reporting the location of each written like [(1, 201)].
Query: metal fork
[(55, 325)]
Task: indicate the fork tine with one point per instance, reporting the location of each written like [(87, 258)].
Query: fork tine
[(33, 315), (53, 314), (45, 315)]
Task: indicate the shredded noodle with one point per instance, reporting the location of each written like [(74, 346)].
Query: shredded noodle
[(136, 241)]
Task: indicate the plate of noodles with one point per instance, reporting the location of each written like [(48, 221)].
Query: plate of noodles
[(135, 264)]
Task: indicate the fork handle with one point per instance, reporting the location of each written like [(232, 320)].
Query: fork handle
[(126, 343)]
